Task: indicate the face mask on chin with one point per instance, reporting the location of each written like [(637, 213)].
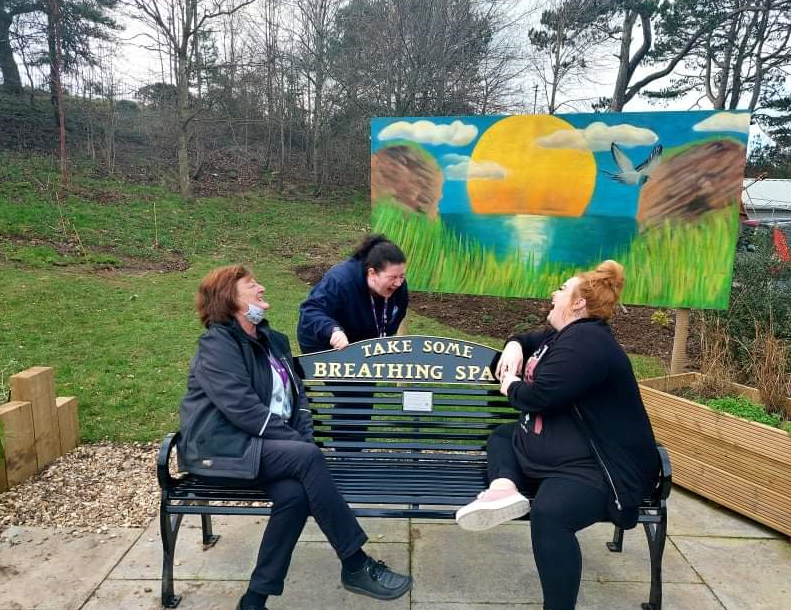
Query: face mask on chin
[(254, 314)]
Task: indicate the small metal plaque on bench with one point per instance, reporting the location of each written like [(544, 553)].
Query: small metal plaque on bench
[(418, 401)]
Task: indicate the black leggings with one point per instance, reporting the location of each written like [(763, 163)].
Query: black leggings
[(560, 508)]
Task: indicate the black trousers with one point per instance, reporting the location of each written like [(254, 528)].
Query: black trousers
[(296, 476), (560, 508)]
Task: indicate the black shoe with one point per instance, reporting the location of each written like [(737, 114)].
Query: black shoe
[(376, 580), (239, 606)]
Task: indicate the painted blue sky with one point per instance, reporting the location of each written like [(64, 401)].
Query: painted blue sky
[(610, 198)]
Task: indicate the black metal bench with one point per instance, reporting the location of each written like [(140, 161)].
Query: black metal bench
[(410, 438)]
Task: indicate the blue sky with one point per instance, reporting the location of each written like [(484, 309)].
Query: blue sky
[(609, 198)]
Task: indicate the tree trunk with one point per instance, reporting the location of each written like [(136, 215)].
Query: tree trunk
[(622, 80), (318, 121), (679, 359), (185, 182), (55, 36), (53, 94), (12, 83)]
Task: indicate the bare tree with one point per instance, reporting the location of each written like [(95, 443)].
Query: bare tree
[(315, 19), (661, 36), (178, 22), (746, 44), (565, 47)]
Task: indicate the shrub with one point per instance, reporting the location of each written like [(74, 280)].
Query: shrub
[(661, 318), (743, 407), (716, 361), (760, 308), (771, 371)]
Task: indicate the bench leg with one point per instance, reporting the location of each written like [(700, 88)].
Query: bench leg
[(209, 539), (169, 530), (656, 534), (616, 546)]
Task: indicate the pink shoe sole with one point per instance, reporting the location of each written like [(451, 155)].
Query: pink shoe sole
[(478, 515)]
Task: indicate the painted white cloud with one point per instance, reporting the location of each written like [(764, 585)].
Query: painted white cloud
[(464, 168), (454, 158), (725, 121), (426, 132), (598, 137)]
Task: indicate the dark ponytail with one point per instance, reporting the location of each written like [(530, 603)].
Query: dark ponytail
[(376, 252)]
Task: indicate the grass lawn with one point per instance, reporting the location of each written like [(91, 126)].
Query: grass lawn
[(121, 341)]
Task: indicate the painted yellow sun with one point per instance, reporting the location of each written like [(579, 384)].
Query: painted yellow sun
[(538, 179)]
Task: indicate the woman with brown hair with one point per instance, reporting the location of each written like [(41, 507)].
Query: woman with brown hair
[(583, 445), (245, 419)]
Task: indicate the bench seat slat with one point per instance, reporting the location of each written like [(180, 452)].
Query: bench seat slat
[(398, 484)]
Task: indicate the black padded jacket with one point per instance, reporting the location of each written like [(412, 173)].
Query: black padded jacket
[(224, 415)]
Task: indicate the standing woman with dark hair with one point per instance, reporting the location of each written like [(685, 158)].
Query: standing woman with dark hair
[(364, 297), (244, 417)]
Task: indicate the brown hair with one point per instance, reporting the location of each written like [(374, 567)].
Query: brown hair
[(601, 288), (216, 298)]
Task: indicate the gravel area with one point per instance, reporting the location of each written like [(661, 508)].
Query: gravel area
[(90, 489)]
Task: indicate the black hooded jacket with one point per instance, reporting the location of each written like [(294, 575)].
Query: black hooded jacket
[(585, 372), (342, 298)]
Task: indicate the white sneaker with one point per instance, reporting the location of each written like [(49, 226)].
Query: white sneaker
[(493, 507)]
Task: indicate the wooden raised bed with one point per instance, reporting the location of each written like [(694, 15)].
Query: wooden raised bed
[(35, 427), (740, 464)]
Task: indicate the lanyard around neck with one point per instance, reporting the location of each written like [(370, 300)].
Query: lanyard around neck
[(380, 330), (281, 370)]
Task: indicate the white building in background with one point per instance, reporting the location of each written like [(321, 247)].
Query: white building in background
[(767, 199)]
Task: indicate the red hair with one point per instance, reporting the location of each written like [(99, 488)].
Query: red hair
[(216, 298), (601, 289)]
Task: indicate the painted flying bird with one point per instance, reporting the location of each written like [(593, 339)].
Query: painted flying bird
[(628, 173)]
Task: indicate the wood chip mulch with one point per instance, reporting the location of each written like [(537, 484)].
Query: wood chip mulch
[(90, 489)]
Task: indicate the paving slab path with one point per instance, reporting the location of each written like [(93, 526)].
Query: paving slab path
[(714, 560)]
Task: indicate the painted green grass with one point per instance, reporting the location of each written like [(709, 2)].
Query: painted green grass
[(672, 265)]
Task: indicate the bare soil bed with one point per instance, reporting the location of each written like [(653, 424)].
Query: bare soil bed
[(501, 317)]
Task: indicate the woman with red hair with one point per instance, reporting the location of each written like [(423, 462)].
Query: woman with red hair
[(583, 445), (245, 418)]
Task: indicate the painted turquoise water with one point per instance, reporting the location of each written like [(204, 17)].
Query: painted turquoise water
[(581, 241)]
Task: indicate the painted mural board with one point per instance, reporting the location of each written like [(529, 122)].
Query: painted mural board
[(514, 205)]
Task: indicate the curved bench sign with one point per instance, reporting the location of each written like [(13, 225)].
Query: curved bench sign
[(408, 359)]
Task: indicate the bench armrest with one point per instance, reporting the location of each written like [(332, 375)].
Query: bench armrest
[(163, 459), (665, 473)]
